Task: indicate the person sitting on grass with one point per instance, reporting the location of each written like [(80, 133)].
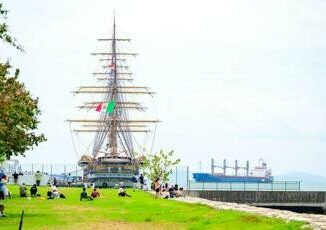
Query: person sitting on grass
[(165, 194), (49, 194), (2, 208), (56, 193), (22, 190), (95, 193), (178, 193), (33, 191), (83, 195), (122, 192)]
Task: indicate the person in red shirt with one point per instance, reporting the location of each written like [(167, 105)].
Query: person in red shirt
[(95, 193)]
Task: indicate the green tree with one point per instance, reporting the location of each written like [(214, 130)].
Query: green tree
[(18, 109), (4, 31), (159, 165)]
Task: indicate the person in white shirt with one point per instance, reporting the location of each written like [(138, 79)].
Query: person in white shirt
[(122, 192)]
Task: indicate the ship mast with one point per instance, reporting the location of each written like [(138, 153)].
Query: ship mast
[(116, 128), (113, 135)]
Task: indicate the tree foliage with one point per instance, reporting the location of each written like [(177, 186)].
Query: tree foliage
[(159, 165), (4, 31), (18, 110), (18, 116)]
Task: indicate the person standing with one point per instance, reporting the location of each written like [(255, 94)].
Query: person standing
[(134, 182), (141, 181), (157, 187), (2, 185), (5, 190), (55, 182), (69, 180), (38, 178)]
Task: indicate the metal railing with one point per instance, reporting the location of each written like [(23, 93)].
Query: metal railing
[(181, 175), (246, 186), (48, 169)]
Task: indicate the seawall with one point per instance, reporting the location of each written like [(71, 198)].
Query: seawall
[(300, 201)]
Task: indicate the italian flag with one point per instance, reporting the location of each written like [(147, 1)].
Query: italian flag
[(109, 107)]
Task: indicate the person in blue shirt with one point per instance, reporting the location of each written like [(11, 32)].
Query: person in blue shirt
[(2, 184)]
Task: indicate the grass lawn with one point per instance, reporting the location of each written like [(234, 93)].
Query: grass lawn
[(141, 211)]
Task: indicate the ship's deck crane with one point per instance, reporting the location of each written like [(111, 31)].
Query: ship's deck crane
[(224, 167)]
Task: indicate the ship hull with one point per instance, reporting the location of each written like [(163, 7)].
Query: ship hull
[(111, 172), (209, 178)]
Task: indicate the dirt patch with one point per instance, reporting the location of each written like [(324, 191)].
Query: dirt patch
[(251, 219), (73, 208), (116, 225)]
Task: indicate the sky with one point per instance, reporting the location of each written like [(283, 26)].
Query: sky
[(235, 79)]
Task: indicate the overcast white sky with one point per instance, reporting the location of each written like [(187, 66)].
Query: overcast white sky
[(234, 79)]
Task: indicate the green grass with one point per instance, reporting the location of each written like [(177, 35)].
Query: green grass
[(141, 211)]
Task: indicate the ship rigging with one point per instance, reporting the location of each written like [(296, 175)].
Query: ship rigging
[(112, 159)]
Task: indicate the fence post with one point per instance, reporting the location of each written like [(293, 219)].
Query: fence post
[(76, 172), (285, 185), (188, 179), (202, 186), (324, 201)]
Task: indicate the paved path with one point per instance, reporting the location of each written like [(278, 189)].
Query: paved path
[(314, 220)]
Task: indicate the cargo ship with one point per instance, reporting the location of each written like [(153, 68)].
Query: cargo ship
[(259, 174)]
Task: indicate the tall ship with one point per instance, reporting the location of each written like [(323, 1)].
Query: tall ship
[(120, 124), (259, 174)]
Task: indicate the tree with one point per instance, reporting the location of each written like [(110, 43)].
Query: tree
[(18, 110), (4, 32), (159, 165)]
